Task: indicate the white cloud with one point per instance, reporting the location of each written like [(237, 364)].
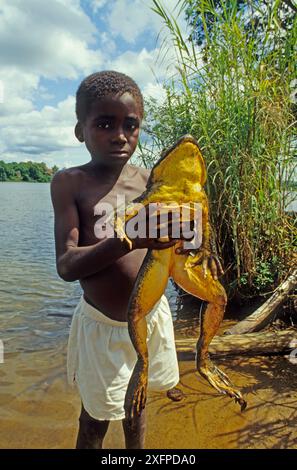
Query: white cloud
[(138, 65), (107, 43), (50, 39), (46, 135), (98, 4), (147, 67), (51, 130), (18, 89), (129, 23), (154, 90), (144, 66)]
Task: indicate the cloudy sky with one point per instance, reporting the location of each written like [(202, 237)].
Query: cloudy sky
[(47, 48)]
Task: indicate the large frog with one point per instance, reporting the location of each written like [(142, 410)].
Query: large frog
[(178, 176)]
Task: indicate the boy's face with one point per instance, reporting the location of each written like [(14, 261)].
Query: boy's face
[(111, 129)]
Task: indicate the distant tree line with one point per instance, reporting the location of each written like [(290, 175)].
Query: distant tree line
[(26, 171)]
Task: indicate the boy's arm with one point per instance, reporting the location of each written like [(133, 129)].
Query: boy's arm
[(77, 262), (74, 262)]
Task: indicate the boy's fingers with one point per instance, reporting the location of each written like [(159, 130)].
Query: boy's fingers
[(213, 268), (177, 230), (188, 236), (204, 267), (159, 245)]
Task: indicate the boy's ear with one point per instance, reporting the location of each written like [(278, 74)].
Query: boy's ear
[(78, 131)]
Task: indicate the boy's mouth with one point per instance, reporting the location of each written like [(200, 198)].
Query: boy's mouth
[(120, 152)]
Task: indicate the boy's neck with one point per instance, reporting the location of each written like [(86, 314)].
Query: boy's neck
[(110, 171)]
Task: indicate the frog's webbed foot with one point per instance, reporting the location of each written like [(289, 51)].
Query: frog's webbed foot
[(219, 380), (135, 399), (205, 258)]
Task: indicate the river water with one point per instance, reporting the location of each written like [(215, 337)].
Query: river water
[(36, 305)]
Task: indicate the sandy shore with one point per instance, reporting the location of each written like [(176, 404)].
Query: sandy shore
[(39, 410)]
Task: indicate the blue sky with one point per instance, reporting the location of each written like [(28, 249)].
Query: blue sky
[(47, 48)]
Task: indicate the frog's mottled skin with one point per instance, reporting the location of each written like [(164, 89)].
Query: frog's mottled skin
[(178, 176)]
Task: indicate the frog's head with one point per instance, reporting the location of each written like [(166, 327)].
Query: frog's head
[(183, 160)]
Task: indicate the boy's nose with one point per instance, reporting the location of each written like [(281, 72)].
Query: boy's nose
[(119, 136)]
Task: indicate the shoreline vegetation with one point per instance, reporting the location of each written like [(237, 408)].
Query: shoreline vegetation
[(231, 85), (31, 172)]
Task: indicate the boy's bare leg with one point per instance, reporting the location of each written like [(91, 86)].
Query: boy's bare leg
[(91, 431), (135, 431)]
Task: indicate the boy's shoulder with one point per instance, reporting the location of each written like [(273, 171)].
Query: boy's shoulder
[(68, 177), (70, 172), (67, 180), (143, 173)]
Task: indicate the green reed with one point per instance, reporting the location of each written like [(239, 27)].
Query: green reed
[(234, 94)]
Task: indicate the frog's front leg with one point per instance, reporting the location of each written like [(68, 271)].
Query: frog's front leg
[(191, 277), (149, 287)]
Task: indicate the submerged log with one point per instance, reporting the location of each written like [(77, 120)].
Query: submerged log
[(250, 344), (261, 317)]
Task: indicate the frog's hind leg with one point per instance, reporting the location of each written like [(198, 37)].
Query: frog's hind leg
[(190, 277), (149, 287)]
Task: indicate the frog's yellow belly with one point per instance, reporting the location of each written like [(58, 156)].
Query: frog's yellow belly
[(177, 178)]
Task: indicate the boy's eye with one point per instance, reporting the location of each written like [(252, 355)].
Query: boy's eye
[(132, 125), (103, 125)]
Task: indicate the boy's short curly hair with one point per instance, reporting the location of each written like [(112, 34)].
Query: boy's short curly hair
[(101, 84)]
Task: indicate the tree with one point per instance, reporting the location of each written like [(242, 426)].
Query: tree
[(26, 171), (202, 16), (3, 175)]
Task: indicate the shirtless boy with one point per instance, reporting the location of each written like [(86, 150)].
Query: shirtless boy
[(101, 357)]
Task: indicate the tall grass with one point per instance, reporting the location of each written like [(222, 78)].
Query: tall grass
[(235, 96)]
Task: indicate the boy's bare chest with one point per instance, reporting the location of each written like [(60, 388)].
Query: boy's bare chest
[(95, 200)]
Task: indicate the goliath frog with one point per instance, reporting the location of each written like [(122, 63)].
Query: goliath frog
[(178, 176)]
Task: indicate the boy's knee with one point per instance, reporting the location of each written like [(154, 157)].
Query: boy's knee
[(91, 423), (85, 417)]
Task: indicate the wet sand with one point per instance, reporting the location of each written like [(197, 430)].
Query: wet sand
[(39, 410)]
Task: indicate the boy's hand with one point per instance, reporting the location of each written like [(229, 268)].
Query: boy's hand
[(155, 232)]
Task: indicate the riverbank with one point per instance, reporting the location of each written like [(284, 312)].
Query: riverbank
[(39, 409)]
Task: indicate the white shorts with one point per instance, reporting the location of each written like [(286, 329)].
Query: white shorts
[(101, 357)]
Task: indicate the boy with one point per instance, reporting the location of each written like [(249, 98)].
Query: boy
[(101, 357)]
